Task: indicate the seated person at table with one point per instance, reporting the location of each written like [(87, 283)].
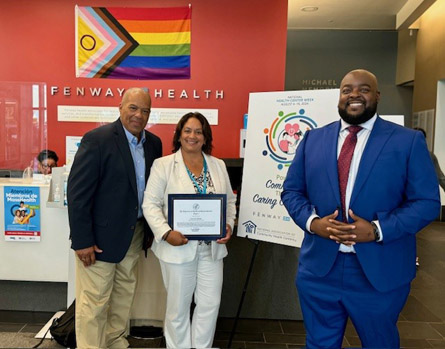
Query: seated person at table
[(47, 159)]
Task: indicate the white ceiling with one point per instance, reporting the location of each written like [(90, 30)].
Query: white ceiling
[(354, 14)]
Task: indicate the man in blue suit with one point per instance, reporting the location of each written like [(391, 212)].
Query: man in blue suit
[(108, 230), (360, 217)]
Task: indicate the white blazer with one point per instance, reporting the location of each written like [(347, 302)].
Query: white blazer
[(169, 175)]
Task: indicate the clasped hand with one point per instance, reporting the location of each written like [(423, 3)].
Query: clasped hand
[(360, 230)]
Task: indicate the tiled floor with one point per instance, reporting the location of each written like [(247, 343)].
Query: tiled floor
[(421, 324)]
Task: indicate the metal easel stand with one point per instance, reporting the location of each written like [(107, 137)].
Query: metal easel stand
[(252, 260)]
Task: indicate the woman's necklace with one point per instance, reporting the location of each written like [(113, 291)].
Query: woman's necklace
[(204, 184)]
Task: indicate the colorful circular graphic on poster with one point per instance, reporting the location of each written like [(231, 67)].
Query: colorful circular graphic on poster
[(284, 135)]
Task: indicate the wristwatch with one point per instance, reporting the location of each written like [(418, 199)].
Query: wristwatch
[(376, 231)]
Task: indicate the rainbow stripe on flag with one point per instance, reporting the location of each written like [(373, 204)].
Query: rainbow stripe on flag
[(133, 43)]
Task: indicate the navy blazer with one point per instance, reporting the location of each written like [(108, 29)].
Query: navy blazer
[(396, 185), (102, 194)]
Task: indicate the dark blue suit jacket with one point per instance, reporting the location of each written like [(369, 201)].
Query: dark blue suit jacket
[(102, 193), (396, 185)]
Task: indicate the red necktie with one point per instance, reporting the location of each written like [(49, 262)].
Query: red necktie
[(344, 164)]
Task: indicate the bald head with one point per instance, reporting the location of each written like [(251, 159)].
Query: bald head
[(135, 110), (135, 91), (357, 73), (359, 96)]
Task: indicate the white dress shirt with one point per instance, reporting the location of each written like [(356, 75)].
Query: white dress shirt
[(138, 155)]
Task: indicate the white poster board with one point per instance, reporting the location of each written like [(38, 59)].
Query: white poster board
[(158, 116), (277, 124)]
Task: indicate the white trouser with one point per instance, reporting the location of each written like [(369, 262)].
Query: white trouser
[(202, 278)]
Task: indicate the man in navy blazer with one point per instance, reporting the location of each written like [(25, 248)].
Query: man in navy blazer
[(358, 260), (108, 230)]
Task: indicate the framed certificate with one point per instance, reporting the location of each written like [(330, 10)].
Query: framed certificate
[(198, 216)]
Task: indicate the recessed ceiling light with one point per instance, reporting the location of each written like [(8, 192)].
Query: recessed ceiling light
[(309, 8)]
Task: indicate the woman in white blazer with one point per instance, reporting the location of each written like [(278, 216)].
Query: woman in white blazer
[(189, 268)]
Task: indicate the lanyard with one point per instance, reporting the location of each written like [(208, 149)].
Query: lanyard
[(204, 185)]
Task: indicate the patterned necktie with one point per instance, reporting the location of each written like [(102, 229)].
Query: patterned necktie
[(344, 164)]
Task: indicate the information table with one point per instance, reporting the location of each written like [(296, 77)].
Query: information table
[(46, 260)]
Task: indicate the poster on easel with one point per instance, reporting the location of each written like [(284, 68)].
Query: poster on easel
[(278, 121), (22, 213)]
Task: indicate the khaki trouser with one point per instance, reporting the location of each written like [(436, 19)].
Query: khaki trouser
[(104, 294)]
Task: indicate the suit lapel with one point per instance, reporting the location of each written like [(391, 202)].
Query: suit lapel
[(148, 154), (214, 173), (330, 153), (124, 149), (380, 134), (182, 172)]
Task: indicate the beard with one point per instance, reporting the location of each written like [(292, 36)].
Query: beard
[(367, 114)]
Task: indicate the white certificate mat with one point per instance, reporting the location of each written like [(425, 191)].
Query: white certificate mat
[(198, 216)]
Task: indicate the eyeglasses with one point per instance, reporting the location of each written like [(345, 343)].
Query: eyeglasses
[(49, 166)]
